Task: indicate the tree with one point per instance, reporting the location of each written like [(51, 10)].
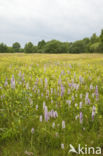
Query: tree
[(86, 42), (3, 48), (35, 49), (101, 36), (101, 41), (28, 47), (53, 46), (78, 47), (41, 44), (64, 47), (16, 46), (94, 38), (95, 47)]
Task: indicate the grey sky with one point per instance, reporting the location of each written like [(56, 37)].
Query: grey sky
[(34, 20)]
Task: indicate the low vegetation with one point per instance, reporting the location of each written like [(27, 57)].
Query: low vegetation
[(48, 102)]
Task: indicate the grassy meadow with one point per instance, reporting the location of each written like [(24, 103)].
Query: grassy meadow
[(49, 101)]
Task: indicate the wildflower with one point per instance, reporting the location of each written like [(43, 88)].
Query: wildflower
[(76, 104), (28, 153), (77, 116), (36, 107), (19, 74), (56, 134), (47, 92), (27, 86), (83, 128), (51, 101), (96, 93), (62, 146), (62, 90), (32, 130), (87, 94), (51, 113), (44, 105), (46, 82), (81, 79), (73, 84), (55, 114), (81, 117), (77, 86), (51, 90), (13, 82), (6, 82), (91, 87), (68, 91), (63, 124), (73, 98), (74, 75), (81, 95), (41, 118), (46, 114), (87, 100), (53, 125), (70, 84), (30, 101), (93, 112), (20, 82), (23, 77), (42, 94), (69, 102), (80, 105), (93, 94), (68, 72)]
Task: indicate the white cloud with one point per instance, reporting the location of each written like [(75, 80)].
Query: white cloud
[(33, 20)]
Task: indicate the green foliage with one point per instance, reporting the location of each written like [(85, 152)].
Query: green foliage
[(94, 38), (41, 44), (78, 47), (52, 47), (35, 49), (10, 50), (55, 46), (101, 36), (16, 46), (28, 47), (95, 47), (101, 41), (21, 50), (92, 44), (3, 48)]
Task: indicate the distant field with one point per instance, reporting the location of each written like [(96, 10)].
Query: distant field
[(48, 102)]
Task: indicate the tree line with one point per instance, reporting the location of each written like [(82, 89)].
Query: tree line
[(92, 45)]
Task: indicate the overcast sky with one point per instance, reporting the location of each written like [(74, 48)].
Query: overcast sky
[(34, 20)]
